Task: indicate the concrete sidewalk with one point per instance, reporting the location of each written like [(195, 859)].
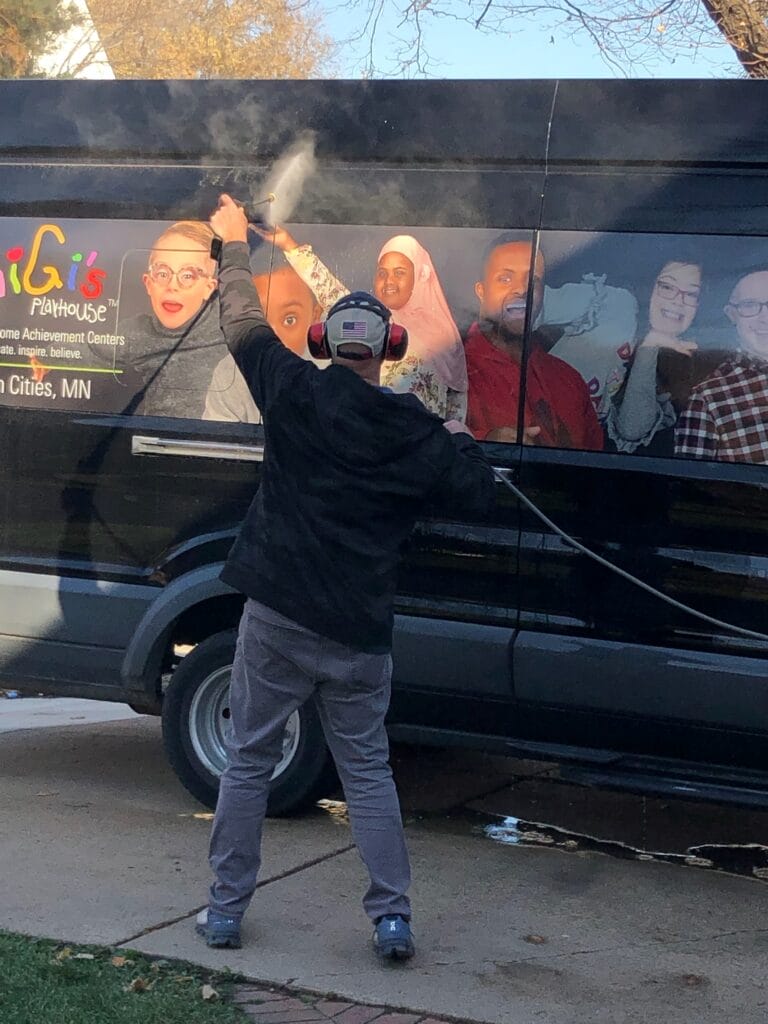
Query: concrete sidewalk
[(42, 712), (102, 845)]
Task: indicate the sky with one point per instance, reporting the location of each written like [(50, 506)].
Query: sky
[(458, 51), (462, 52)]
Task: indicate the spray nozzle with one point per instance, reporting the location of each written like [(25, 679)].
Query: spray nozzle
[(252, 218), (258, 219), (271, 197)]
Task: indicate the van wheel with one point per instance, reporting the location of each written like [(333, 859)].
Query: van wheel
[(195, 724)]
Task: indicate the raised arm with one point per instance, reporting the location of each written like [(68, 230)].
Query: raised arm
[(326, 288), (265, 363), (641, 411)]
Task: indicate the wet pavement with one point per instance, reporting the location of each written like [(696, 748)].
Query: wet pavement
[(537, 899), (528, 804), (547, 811)]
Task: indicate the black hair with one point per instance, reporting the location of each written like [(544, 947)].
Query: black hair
[(263, 256), (506, 238), (685, 255)]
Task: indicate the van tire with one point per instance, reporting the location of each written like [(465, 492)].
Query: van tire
[(195, 709), (149, 708)]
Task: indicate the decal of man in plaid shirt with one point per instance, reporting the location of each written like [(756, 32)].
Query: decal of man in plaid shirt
[(727, 415)]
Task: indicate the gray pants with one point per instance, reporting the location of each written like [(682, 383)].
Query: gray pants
[(278, 665)]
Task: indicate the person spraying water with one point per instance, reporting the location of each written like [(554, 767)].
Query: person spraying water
[(348, 468)]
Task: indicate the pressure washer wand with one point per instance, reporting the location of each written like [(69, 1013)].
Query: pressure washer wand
[(252, 220)]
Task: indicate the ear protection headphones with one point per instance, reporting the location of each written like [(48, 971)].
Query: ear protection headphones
[(395, 337)]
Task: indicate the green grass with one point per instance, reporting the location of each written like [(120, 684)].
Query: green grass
[(44, 982)]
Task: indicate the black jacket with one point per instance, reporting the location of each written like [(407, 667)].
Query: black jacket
[(347, 470)]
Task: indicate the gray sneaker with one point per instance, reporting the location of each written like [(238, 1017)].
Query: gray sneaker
[(220, 931)]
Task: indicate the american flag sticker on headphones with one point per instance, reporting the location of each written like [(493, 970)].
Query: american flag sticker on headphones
[(354, 330)]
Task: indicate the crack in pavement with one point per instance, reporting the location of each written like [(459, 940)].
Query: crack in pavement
[(630, 946), (259, 885), (426, 965)]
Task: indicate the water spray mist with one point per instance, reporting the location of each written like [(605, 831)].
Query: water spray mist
[(284, 186)]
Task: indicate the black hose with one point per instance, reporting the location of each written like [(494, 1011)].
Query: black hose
[(751, 633)]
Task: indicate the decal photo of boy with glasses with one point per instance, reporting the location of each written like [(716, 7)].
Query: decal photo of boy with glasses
[(173, 348)]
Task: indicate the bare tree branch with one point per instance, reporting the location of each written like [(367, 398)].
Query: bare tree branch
[(631, 36), (481, 17)]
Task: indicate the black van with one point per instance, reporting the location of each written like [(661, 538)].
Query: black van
[(639, 212)]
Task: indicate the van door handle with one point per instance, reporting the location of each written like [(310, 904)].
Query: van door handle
[(143, 445)]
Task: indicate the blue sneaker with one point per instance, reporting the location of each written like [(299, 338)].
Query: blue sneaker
[(220, 931), (392, 938)]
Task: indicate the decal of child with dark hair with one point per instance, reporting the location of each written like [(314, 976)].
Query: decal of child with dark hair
[(290, 308), (406, 282)]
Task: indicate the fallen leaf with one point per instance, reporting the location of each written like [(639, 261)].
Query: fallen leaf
[(208, 993), (535, 940), (120, 961), (139, 985), (83, 956), (183, 979), (63, 954)]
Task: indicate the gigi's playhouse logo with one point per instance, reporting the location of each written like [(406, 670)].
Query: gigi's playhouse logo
[(42, 270), (56, 280)]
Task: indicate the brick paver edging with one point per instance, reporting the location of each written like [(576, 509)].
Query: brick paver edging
[(265, 1005)]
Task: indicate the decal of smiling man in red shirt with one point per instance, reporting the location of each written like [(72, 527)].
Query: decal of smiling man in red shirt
[(558, 411)]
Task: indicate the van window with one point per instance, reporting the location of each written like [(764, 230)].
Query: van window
[(119, 316), (668, 338), (428, 277)]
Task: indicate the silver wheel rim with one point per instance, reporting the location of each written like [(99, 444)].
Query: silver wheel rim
[(209, 725)]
